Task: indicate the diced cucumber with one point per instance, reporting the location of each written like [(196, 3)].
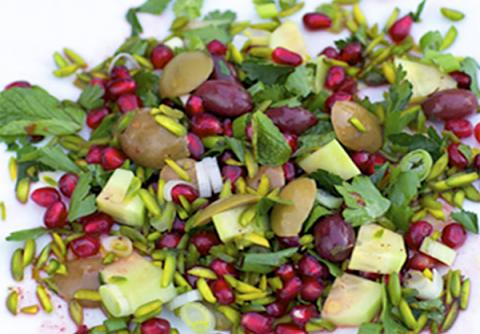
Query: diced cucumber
[(438, 251), (114, 199), (352, 301), (228, 225), (378, 250), (130, 283)]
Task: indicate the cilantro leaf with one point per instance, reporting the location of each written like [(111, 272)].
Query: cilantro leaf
[(300, 82), (446, 62), (91, 97), (369, 328), (326, 180), (147, 87), (264, 263), (315, 137), (206, 34), (470, 66), (264, 71), (364, 201), (154, 6), (23, 235), (417, 141), (218, 17), (52, 157), (188, 8), (35, 112), (468, 219), (82, 202), (396, 100), (269, 144)]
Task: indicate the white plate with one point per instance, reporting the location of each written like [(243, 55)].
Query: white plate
[(32, 30)]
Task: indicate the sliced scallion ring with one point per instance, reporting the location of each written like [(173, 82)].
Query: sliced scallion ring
[(419, 162)]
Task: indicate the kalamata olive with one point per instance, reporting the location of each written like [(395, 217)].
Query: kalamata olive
[(287, 220), (223, 70), (450, 104), (188, 166), (292, 120), (275, 175), (184, 73), (334, 238), (148, 144), (225, 98), (351, 134)]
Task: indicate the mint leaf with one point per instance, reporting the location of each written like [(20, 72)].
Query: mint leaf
[(23, 235), (25, 111), (52, 157), (468, 219), (264, 263), (91, 97), (154, 6), (300, 82), (470, 66), (264, 71), (370, 329), (269, 144), (82, 202), (364, 201), (188, 8)]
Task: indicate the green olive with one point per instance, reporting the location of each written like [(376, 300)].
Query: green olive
[(287, 220), (222, 205), (167, 173), (419, 162), (184, 73), (149, 144), (356, 128)]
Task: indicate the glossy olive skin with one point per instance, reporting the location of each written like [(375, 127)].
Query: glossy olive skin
[(149, 144), (223, 70), (225, 98), (334, 238), (450, 104), (292, 120)]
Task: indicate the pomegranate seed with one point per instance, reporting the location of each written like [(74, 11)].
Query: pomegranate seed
[(370, 276), (85, 246), (349, 86), (67, 184), (476, 162), (312, 289), (283, 56), (195, 146), (456, 158), (99, 82), (290, 241), (96, 116), (376, 160), (18, 84), (217, 48), (35, 138), (82, 330), (204, 240), (277, 309), (169, 240), (161, 56), (289, 171), (121, 87), (401, 29), (362, 160), (228, 127), (155, 326), (290, 289), (289, 329), (335, 97), (421, 262), (292, 141), (308, 266), (454, 235), (256, 323), (335, 77), (222, 291), (416, 233), (112, 158), (330, 52), (128, 102), (56, 215), (94, 155), (317, 21), (232, 173), (222, 268), (45, 196), (301, 314), (463, 79), (286, 272), (120, 72), (185, 190), (477, 132), (205, 125), (194, 106), (462, 128), (178, 225), (97, 223), (351, 53)]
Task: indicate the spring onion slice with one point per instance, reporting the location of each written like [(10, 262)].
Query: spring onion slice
[(427, 289), (185, 298), (204, 186), (198, 318), (214, 175)]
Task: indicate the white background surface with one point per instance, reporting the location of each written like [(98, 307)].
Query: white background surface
[(31, 30)]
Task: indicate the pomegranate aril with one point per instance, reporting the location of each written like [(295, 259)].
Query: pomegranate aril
[(283, 56), (335, 97), (401, 29), (477, 132), (45, 196), (204, 241), (96, 116), (194, 106), (290, 241), (121, 87), (456, 157), (476, 162), (289, 329), (289, 171), (349, 86), (301, 314), (335, 77), (232, 173), (178, 225), (18, 84), (120, 72), (94, 155), (362, 160), (82, 330), (205, 125), (99, 82), (222, 291), (67, 184), (416, 233), (277, 309), (185, 190), (286, 272), (462, 128), (128, 102), (222, 268), (351, 53), (292, 141), (330, 52), (56, 215), (195, 146), (308, 266), (312, 289), (85, 246), (228, 127), (290, 289), (376, 160), (97, 223), (112, 158), (217, 48), (317, 21), (454, 235), (421, 262), (155, 326), (370, 276), (256, 323), (169, 240), (463, 79), (161, 56)]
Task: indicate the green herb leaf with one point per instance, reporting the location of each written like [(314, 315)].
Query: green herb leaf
[(370, 329), (446, 62), (52, 157), (266, 72), (470, 66), (206, 34), (105, 129), (418, 12), (82, 202), (334, 269), (300, 82), (23, 235), (468, 219), (315, 137), (188, 8), (317, 212), (264, 263), (91, 97), (390, 325), (154, 6), (269, 144), (135, 25), (417, 141), (432, 40), (147, 88), (364, 201), (33, 111), (327, 180), (218, 17)]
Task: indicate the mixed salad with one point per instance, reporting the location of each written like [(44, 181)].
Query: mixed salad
[(246, 185)]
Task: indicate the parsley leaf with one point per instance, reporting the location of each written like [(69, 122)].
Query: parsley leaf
[(154, 6), (269, 144), (264, 263), (33, 111), (417, 141), (364, 201), (23, 235), (147, 87), (188, 8), (300, 82), (446, 62), (221, 18), (52, 157), (468, 219), (264, 71), (206, 34), (370, 329), (315, 137), (396, 100), (470, 66), (132, 19), (326, 180), (82, 202), (91, 97)]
